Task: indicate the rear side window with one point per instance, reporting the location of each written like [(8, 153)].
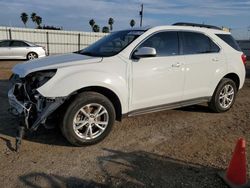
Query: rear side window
[(197, 43), (165, 43), (18, 44), (5, 43), (230, 41)]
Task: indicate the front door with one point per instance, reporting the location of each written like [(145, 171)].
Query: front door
[(159, 80)]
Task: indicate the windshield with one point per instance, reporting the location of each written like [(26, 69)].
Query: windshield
[(111, 44)]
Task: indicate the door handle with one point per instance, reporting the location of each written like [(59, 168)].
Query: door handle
[(176, 65)]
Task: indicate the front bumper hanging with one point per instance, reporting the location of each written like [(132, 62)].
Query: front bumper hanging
[(32, 114)]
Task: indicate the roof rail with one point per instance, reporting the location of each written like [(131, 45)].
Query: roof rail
[(196, 25)]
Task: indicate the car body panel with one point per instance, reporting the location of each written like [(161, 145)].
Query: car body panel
[(86, 73), (53, 62), (156, 81)]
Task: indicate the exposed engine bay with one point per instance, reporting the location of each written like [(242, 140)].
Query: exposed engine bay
[(27, 103)]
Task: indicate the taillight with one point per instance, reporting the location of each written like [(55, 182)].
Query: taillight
[(244, 59)]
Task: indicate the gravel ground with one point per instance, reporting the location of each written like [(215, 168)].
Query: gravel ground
[(177, 148)]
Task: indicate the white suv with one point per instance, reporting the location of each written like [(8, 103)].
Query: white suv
[(128, 73)]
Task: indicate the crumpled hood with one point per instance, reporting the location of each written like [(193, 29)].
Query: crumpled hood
[(53, 62)]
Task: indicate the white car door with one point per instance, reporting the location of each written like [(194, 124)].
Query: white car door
[(203, 63), (19, 49), (5, 51), (159, 80)]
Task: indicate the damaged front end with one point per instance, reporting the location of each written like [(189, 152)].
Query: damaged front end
[(27, 103)]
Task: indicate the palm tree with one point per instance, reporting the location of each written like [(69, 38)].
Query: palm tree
[(96, 28), (105, 29), (132, 23), (38, 21), (92, 23), (24, 18), (111, 22), (33, 17)]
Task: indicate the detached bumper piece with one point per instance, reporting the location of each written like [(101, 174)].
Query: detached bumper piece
[(32, 110)]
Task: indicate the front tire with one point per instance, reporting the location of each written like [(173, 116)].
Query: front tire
[(224, 96), (32, 55), (88, 119)]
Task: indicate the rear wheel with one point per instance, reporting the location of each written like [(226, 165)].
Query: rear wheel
[(32, 55), (88, 119), (224, 96)]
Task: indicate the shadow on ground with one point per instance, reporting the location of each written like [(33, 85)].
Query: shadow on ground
[(134, 169)]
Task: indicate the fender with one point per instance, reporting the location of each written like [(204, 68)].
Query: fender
[(68, 80)]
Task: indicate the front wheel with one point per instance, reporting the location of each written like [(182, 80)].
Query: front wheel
[(224, 96), (32, 55), (88, 119)]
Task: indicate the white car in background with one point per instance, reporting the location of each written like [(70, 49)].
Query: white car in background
[(18, 49), (128, 73)]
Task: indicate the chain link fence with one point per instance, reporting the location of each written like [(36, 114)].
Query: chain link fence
[(54, 41)]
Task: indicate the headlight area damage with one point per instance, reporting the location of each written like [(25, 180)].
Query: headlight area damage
[(27, 103)]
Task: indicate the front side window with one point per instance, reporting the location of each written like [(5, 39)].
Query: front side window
[(165, 43), (197, 43), (5, 43), (111, 44)]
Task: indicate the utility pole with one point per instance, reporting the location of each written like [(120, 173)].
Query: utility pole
[(248, 29), (141, 15)]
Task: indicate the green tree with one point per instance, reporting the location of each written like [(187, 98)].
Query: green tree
[(38, 21), (105, 29), (132, 23), (92, 23), (111, 22), (33, 17), (96, 28), (24, 18)]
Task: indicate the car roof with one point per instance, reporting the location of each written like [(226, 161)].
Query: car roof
[(190, 28), (197, 28), (14, 40)]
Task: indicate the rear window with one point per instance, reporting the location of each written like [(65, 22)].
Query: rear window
[(18, 44), (230, 41)]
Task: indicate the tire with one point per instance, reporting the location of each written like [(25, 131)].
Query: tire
[(81, 113), (216, 103), (32, 55)]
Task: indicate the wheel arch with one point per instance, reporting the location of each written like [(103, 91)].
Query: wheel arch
[(235, 78), (232, 76), (111, 95)]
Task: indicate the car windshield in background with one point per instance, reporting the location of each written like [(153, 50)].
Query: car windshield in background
[(111, 44)]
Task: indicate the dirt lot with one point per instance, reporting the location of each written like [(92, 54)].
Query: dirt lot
[(177, 148)]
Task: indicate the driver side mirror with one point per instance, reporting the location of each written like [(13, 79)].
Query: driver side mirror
[(144, 52)]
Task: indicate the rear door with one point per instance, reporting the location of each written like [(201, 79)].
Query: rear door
[(5, 51), (203, 63), (19, 49)]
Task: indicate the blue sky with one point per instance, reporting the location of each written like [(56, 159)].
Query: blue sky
[(75, 14)]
